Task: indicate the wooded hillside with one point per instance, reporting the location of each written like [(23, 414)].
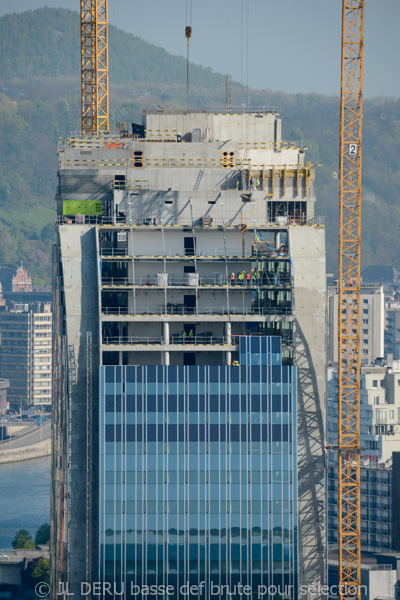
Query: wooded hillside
[(39, 101)]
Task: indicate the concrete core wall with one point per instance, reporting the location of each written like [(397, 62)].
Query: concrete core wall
[(78, 253), (307, 249)]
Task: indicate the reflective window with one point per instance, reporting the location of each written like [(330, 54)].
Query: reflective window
[(198, 472)]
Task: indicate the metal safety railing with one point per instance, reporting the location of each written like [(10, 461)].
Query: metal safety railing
[(87, 220), (154, 222), (99, 142), (214, 253), (243, 109), (276, 146), (184, 340), (261, 279), (181, 310), (159, 252), (132, 184)]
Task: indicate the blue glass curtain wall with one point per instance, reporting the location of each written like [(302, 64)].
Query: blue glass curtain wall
[(198, 475)]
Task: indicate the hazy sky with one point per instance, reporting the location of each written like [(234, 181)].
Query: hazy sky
[(293, 45)]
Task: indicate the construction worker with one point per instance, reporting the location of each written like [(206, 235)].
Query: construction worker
[(241, 277), (232, 278), (257, 183), (191, 333), (248, 278), (183, 334)]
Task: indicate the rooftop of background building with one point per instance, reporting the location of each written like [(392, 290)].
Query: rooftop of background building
[(380, 274)]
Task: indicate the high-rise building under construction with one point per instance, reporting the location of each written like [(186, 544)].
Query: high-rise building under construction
[(189, 388)]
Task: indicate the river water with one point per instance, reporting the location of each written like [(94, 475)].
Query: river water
[(24, 497)]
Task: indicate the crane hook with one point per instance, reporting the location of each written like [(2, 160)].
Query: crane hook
[(188, 35)]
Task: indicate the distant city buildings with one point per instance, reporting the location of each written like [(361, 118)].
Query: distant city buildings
[(379, 417), (380, 410), (2, 301), (380, 316), (25, 340), (4, 385), (392, 325), (26, 354), (385, 275), (372, 324), (380, 440), (376, 505)]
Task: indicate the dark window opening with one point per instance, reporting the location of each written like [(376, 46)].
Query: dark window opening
[(294, 212), (119, 182), (189, 246), (189, 302), (189, 358)]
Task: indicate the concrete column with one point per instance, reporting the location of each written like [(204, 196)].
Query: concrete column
[(120, 357), (165, 356), (277, 240), (228, 358), (228, 332), (166, 332)]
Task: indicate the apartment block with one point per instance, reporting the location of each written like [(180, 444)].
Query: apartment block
[(372, 324), (26, 354)]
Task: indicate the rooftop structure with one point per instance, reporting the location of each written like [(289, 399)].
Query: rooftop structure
[(189, 263), (382, 274)]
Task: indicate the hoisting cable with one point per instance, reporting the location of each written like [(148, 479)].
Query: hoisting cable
[(188, 35)]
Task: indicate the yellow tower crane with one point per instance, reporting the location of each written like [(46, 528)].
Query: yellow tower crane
[(94, 66), (349, 299)]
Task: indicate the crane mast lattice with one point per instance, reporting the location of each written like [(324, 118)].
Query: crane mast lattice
[(349, 299), (94, 66)]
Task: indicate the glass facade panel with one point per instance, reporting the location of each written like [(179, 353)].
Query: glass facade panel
[(198, 475)]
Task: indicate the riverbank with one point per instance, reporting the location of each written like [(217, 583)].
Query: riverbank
[(38, 450), (34, 442)]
